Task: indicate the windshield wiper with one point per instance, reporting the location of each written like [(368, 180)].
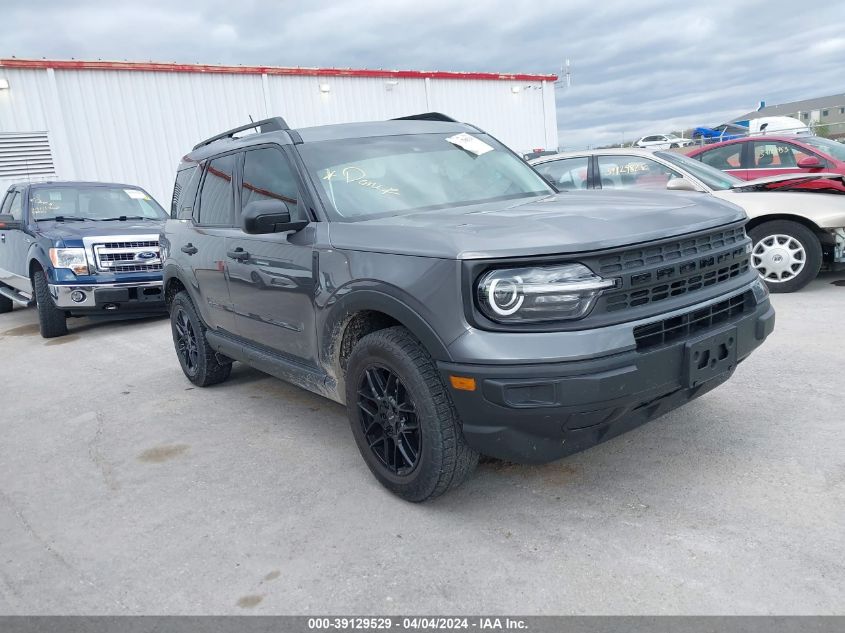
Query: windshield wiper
[(123, 218), (64, 218)]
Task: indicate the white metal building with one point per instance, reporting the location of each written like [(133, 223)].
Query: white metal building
[(132, 121)]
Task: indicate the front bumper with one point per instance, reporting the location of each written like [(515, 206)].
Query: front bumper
[(139, 296), (542, 412)]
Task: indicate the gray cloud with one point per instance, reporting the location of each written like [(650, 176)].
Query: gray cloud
[(638, 67)]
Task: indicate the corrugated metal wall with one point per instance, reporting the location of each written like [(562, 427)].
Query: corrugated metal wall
[(133, 126)]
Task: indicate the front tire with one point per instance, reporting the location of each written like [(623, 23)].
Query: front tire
[(6, 304), (787, 254), (403, 419), (52, 322), (199, 361)]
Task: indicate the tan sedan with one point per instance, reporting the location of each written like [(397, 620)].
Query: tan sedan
[(796, 233)]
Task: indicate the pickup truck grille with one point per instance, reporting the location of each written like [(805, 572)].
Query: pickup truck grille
[(127, 256), (656, 273)]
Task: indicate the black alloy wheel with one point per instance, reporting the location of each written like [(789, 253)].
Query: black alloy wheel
[(202, 365), (389, 420), (186, 341)]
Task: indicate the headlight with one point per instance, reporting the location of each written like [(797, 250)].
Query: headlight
[(72, 258), (539, 293)]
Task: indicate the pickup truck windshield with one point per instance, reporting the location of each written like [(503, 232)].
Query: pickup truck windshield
[(80, 202), (382, 176)]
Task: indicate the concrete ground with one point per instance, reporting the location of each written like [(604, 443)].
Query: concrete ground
[(123, 489)]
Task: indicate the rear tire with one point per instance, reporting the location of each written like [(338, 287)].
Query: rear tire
[(787, 254), (403, 418), (52, 321), (199, 361)]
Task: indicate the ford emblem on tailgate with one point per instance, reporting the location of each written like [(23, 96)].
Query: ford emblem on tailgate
[(146, 255)]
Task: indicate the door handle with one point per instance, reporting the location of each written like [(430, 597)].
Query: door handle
[(2, 237), (190, 249), (238, 254)]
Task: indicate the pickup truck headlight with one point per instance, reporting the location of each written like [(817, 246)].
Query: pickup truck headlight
[(539, 293), (72, 258)]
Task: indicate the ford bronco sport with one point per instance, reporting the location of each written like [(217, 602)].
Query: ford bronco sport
[(80, 249), (424, 275)]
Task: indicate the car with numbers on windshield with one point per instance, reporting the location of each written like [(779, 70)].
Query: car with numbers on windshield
[(796, 232), (421, 273), (80, 249), (761, 156)]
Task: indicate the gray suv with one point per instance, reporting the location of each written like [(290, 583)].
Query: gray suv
[(421, 273)]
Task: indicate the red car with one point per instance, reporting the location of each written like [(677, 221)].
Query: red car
[(759, 156)]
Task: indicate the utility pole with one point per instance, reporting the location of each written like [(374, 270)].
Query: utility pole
[(565, 79)]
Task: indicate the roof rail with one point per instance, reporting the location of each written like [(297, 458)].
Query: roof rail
[(426, 116), (274, 124)]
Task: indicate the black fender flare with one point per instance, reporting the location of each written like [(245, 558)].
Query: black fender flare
[(397, 308), (173, 272)]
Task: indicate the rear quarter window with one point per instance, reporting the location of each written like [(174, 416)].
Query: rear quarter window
[(181, 190)]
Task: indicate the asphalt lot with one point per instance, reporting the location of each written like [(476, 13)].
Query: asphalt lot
[(125, 490)]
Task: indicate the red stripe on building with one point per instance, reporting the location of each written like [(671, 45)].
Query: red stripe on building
[(266, 70)]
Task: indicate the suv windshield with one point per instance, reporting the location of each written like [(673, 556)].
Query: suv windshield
[(831, 148), (92, 203), (710, 176), (374, 177)]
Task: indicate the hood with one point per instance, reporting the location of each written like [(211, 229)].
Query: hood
[(71, 233), (789, 180), (560, 224)]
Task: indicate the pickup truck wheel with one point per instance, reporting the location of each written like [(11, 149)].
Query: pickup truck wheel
[(787, 254), (6, 304), (403, 419), (198, 360), (51, 320)]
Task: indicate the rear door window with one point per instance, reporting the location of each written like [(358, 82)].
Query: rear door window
[(725, 158), (216, 200), (567, 173)]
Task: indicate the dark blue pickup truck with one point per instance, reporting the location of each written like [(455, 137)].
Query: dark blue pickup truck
[(80, 249)]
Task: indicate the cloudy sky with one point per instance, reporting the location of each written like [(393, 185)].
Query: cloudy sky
[(638, 66)]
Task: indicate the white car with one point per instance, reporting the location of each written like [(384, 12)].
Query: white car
[(663, 141), (794, 232)]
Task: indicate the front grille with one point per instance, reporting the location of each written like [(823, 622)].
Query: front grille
[(634, 259), (686, 325), (655, 273), (127, 256), (143, 244), (676, 288)]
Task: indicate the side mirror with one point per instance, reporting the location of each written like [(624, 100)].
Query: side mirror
[(680, 184), (8, 222), (268, 216), (810, 162)]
